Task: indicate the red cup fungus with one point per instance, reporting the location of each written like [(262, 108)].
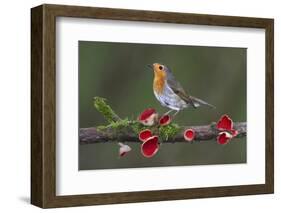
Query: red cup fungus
[(124, 149), (225, 123), (148, 117), (227, 132), (150, 147), (165, 120), (189, 135), (224, 137), (144, 134)]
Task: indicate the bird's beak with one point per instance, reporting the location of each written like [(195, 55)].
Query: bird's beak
[(150, 66)]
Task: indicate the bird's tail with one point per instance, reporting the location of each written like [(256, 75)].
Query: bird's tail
[(197, 102)]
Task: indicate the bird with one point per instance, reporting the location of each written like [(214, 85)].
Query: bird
[(169, 92)]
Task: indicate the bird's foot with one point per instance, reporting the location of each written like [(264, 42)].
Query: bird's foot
[(175, 113), (167, 113)]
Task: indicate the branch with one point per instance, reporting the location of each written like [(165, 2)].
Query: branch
[(124, 130), (203, 133)]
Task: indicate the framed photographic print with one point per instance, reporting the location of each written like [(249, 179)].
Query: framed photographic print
[(135, 106)]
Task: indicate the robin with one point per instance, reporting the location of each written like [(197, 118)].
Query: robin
[(169, 91)]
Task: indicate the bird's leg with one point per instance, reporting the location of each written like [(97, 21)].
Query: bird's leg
[(168, 112), (175, 113)]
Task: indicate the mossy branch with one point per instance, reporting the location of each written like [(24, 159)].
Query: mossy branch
[(121, 130), (127, 134)]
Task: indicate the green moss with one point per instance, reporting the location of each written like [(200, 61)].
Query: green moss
[(101, 127), (120, 125), (101, 105), (138, 127), (117, 124), (125, 124), (169, 131)]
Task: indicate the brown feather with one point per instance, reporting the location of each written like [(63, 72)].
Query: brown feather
[(178, 89)]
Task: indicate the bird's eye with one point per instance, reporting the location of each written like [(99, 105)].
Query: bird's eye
[(160, 67)]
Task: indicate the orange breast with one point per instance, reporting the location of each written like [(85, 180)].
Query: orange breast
[(159, 81)]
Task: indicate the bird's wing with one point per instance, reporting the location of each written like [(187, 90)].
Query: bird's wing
[(201, 102), (178, 89)]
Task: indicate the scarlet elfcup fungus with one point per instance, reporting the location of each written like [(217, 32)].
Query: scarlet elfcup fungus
[(144, 134), (164, 120), (148, 117), (150, 147), (225, 123), (224, 137), (124, 149), (189, 134)]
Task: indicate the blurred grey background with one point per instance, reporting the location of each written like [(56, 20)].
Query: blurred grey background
[(118, 72)]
